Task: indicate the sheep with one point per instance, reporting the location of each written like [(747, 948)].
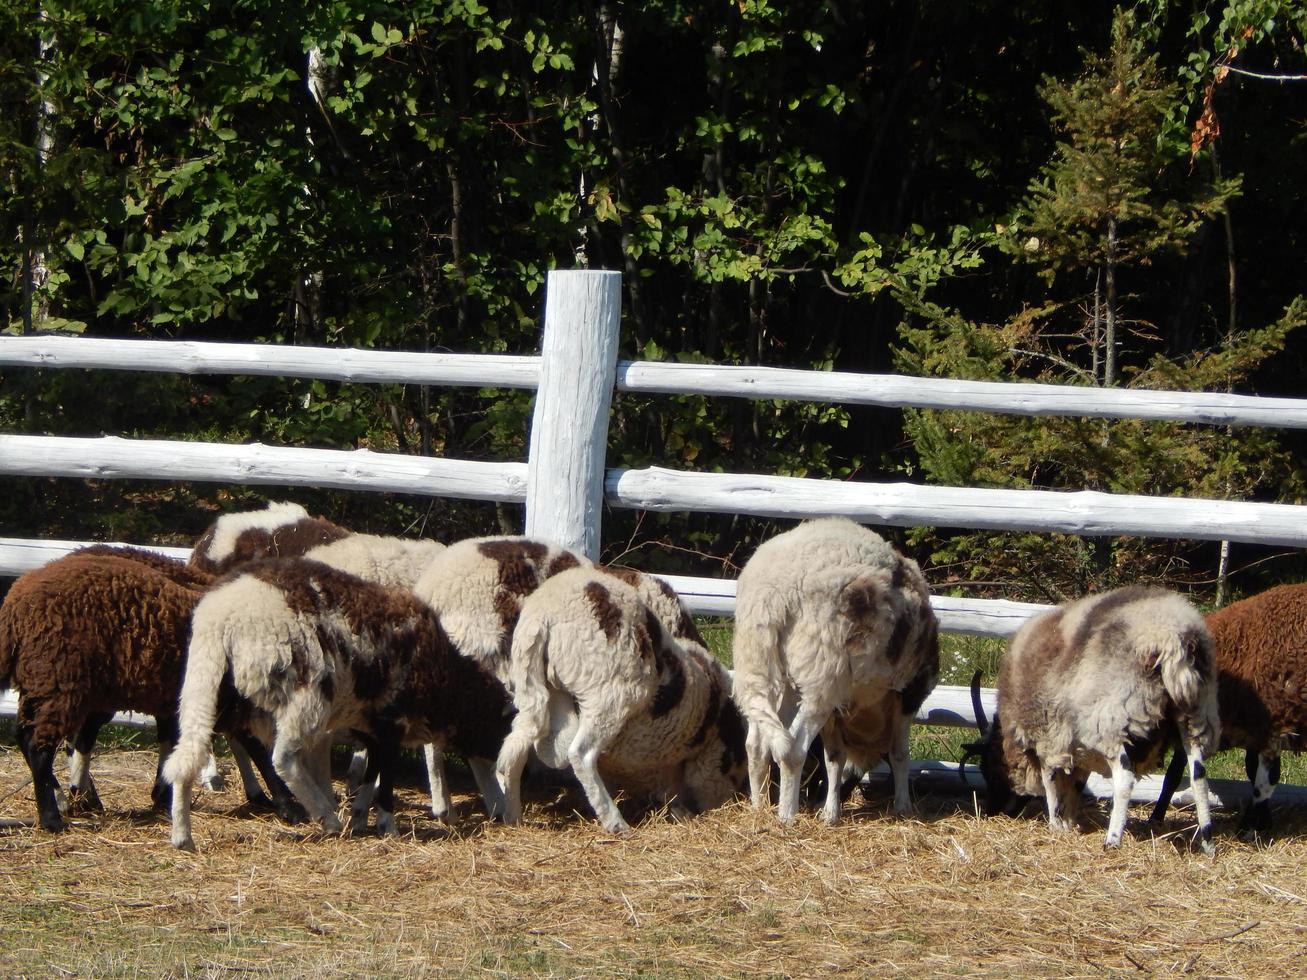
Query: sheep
[(477, 586), (395, 562), (98, 631), (600, 683), (834, 635), (286, 530), (279, 530), (1261, 671), (1101, 684), (317, 649)]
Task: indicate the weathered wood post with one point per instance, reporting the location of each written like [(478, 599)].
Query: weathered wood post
[(569, 430)]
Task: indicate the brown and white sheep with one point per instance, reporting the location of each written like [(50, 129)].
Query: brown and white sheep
[(98, 631), (477, 586), (280, 530), (1261, 672), (1103, 684), (319, 650), (834, 635), (600, 684)]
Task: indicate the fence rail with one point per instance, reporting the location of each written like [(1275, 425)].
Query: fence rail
[(649, 377), (580, 349)]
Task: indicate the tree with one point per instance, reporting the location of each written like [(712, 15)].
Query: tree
[(1115, 200)]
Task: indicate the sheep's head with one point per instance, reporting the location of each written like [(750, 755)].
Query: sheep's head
[(1011, 778), (720, 771)]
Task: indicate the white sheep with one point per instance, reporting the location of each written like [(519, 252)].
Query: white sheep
[(601, 685), (834, 635), (1102, 684), (390, 561), (319, 650), (477, 586)]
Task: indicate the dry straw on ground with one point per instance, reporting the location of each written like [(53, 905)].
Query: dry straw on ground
[(730, 893)]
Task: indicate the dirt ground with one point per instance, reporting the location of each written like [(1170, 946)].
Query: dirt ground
[(728, 894)]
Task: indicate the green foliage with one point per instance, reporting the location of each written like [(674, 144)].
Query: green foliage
[(840, 186)]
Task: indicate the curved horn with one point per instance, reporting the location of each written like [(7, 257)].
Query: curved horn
[(981, 721)]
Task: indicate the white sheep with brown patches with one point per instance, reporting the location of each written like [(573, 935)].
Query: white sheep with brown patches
[(602, 686), (477, 586), (1103, 684), (319, 650), (834, 635), (280, 530)]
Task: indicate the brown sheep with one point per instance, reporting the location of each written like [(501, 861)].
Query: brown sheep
[(98, 631), (1261, 664)]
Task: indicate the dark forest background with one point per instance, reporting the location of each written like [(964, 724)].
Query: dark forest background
[(1070, 193)]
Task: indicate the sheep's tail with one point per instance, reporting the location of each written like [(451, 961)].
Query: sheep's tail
[(1186, 661), (206, 664), (529, 687), (758, 683)]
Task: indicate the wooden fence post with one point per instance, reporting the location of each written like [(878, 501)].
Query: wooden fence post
[(569, 430)]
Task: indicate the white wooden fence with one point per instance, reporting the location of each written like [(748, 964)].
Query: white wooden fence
[(564, 483)]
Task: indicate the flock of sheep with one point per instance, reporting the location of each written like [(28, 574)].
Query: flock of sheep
[(284, 631)]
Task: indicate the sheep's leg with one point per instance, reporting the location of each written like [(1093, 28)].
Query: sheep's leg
[(181, 816), (295, 763), (40, 760), (161, 791), (584, 756), (508, 767), (1171, 780), (378, 785), (898, 764), (357, 772), (1264, 773), (833, 754), (483, 771), (245, 764), (1123, 784), (441, 804), (318, 758), (755, 745), (803, 730), (283, 800), (82, 795), (1058, 791), (1198, 783)]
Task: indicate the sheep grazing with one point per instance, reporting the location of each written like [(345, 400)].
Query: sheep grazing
[(601, 685), (1261, 672), (477, 586), (98, 631), (280, 530), (1103, 684), (394, 562), (319, 650), (834, 635)]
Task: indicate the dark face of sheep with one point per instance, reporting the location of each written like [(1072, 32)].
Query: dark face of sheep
[(1002, 772)]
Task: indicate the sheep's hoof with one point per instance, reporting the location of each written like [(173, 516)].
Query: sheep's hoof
[(386, 825), (214, 782), (291, 812), (331, 824), (161, 797), (1111, 843), (186, 844), (53, 823), (84, 801)]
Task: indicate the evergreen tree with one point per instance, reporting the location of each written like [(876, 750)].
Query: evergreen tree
[(1116, 197)]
